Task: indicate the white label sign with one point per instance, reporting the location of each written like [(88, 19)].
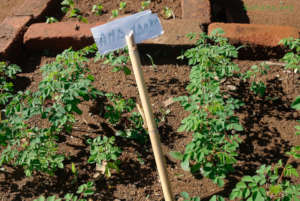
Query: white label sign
[(111, 36)]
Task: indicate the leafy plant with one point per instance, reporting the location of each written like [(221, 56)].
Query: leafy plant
[(145, 4), (186, 197), (119, 112), (118, 60), (118, 106), (97, 9), (74, 172), (257, 86), (83, 192), (64, 86), (292, 58), (168, 13), (50, 20), (268, 184), (123, 5), (115, 13), (7, 74), (211, 120), (271, 182), (104, 153), (69, 6)]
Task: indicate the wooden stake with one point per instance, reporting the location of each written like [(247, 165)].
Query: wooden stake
[(153, 132)]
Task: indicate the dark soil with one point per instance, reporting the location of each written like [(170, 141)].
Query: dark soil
[(269, 128), (269, 133)]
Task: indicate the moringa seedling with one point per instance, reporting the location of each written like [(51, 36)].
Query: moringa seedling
[(145, 4), (115, 13), (168, 13), (97, 9), (123, 5)]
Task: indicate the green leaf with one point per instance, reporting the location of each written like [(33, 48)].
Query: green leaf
[(185, 195), (234, 126), (276, 189), (126, 70), (52, 198), (42, 198), (247, 179), (241, 185), (176, 155), (213, 198), (296, 103), (185, 165)]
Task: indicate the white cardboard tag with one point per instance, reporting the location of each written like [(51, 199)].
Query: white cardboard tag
[(111, 36)]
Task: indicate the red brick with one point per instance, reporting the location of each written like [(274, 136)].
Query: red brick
[(36, 8), (11, 33), (58, 36), (175, 32), (255, 34), (272, 12), (196, 9)]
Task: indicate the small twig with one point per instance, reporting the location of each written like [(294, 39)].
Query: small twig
[(142, 114), (274, 63), (281, 176)]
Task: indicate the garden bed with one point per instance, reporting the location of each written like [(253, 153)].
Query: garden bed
[(268, 123)]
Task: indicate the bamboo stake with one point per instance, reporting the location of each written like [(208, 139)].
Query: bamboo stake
[(153, 132)]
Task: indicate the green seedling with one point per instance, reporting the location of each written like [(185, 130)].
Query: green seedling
[(50, 20), (115, 13), (168, 13), (65, 84), (145, 4), (68, 6), (83, 192), (97, 9), (104, 153), (213, 149), (123, 5)]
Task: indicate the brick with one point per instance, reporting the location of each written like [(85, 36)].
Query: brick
[(58, 36), (175, 32), (196, 9), (11, 33), (255, 34), (36, 8), (272, 12), (62, 35)]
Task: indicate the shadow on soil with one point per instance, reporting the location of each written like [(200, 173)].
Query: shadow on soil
[(262, 142)]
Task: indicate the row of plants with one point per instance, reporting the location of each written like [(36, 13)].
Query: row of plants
[(68, 7), (34, 121), (214, 147)]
